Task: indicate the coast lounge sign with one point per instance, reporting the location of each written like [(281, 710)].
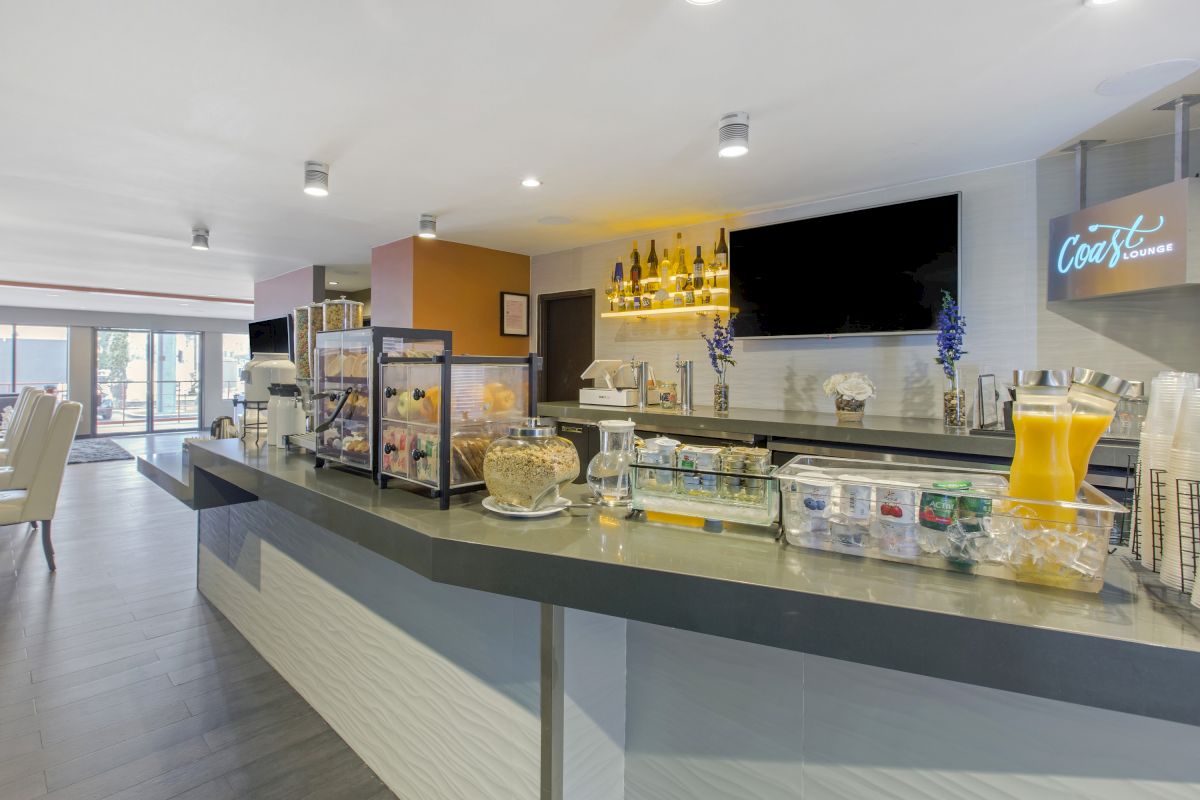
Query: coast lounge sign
[(1132, 244)]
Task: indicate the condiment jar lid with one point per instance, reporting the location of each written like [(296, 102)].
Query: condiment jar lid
[(1100, 380), (1136, 390), (534, 427), (1041, 377), (660, 443), (617, 425)]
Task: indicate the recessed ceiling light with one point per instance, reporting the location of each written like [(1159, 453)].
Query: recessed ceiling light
[(333, 283), (733, 139), (199, 238), (1147, 79), (53, 294), (703, 2), (1091, 3), (427, 228), (531, 183), (316, 178)]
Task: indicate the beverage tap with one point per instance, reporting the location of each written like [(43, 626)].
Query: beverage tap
[(641, 374), (685, 384)]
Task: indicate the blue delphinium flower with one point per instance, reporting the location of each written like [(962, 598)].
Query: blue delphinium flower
[(951, 327), (720, 346)]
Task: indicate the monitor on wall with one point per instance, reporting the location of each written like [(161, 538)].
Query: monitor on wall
[(271, 336), (873, 271)]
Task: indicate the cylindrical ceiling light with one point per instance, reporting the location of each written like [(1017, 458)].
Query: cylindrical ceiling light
[(734, 137), (316, 178), (428, 227), (199, 238)]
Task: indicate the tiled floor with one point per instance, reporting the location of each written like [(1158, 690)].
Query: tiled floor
[(118, 680)]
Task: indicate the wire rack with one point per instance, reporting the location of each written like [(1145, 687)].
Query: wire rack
[(1187, 494), (1157, 515)]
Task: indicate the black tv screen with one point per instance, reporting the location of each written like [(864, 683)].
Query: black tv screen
[(872, 271), (271, 336)]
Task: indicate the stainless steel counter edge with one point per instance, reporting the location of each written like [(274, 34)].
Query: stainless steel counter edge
[(1139, 677), (891, 433)]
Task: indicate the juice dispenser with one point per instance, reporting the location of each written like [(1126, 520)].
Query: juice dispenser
[(1041, 467), (1093, 397)]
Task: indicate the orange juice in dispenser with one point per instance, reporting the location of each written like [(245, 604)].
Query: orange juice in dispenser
[(1041, 467), (1093, 398)]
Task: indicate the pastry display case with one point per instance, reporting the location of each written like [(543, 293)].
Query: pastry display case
[(439, 412), (343, 389)]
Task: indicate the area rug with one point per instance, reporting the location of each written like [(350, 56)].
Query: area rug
[(88, 451)]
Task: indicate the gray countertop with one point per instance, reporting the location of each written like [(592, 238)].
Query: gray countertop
[(1129, 648), (891, 433)]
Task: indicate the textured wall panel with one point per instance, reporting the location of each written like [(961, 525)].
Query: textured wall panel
[(713, 718), (435, 687)]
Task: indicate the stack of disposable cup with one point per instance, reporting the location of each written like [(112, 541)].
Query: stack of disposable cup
[(1158, 434), (1183, 465)]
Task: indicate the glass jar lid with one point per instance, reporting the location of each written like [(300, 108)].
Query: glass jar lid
[(1058, 378), (617, 425), (533, 427), (1100, 380)]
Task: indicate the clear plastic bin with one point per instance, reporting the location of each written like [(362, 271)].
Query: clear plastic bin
[(962, 520)]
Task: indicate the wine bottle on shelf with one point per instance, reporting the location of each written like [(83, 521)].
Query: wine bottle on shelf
[(689, 295), (665, 270), (652, 262), (619, 283), (722, 251), (681, 262), (635, 272), (706, 293)]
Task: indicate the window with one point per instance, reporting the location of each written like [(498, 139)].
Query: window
[(33, 355), (235, 353)]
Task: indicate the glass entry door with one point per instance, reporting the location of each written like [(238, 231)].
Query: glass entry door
[(146, 381), (175, 388)]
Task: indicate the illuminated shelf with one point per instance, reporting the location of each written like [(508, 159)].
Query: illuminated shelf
[(642, 313), (721, 273)]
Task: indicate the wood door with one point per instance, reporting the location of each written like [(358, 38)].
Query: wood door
[(566, 341)]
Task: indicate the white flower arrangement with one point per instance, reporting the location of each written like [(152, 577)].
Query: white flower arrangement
[(854, 385)]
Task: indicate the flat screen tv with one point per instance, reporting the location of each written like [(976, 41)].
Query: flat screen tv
[(271, 336), (868, 272)]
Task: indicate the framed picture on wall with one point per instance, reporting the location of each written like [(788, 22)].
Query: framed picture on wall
[(514, 314)]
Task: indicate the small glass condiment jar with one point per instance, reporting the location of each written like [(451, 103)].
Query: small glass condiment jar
[(525, 469), (667, 398)]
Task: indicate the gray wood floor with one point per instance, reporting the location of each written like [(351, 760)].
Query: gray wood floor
[(118, 680)]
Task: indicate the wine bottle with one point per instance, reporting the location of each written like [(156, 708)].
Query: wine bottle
[(706, 295), (681, 265), (689, 295), (662, 295), (619, 283), (652, 262), (635, 271), (722, 252)]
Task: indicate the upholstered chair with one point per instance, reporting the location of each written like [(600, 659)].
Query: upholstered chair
[(38, 501), (19, 472), (19, 418)]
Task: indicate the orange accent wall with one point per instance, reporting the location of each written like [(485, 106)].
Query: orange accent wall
[(457, 287)]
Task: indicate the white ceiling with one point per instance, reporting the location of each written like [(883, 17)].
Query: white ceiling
[(127, 123)]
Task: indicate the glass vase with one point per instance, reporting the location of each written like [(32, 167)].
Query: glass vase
[(721, 398), (954, 404), (849, 409)]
